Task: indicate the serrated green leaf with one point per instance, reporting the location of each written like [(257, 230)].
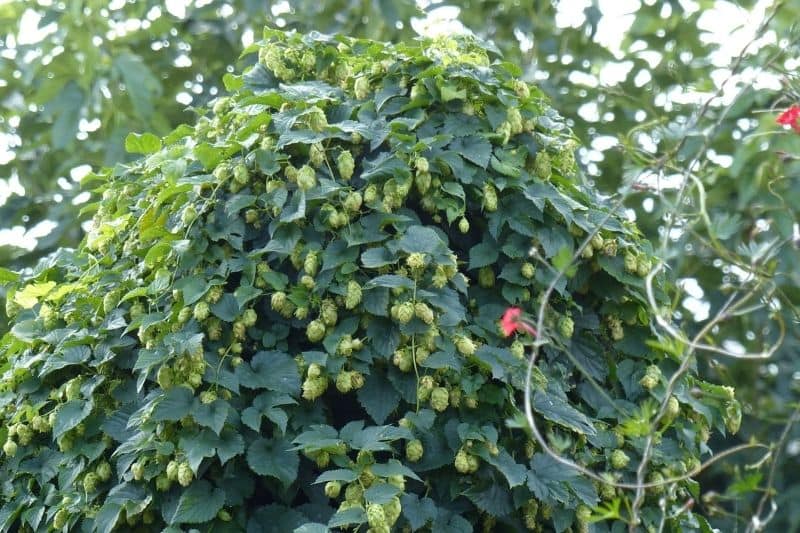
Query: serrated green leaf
[(272, 457), (175, 404), (381, 493), (69, 415), (145, 143), (275, 371), (557, 410), (197, 504), (482, 254), (378, 397), (338, 474)]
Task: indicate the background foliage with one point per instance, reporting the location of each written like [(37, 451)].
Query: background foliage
[(69, 76)]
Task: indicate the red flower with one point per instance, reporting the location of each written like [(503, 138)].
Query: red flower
[(511, 322), (790, 118)]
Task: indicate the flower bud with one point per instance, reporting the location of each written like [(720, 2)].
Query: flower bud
[(344, 382), (414, 450), (185, 474), (306, 178), (463, 225), (631, 265), (465, 346), (566, 327), (10, 448), (332, 489), (619, 459), (486, 277), (346, 165), (353, 297), (461, 462), (440, 398), (201, 311), (489, 197), (278, 300), (361, 88), (315, 331)]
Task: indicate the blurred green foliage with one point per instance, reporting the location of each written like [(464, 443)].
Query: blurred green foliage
[(102, 70)]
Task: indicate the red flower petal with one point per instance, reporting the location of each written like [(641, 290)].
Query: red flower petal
[(790, 118), (510, 322)]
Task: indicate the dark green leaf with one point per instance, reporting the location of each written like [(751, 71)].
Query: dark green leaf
[(271, 457)]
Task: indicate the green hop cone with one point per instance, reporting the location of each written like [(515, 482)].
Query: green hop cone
[(315, 331), (629, 260), (463, 225), (241, 174), (306, 178), (619, 459), (397, 480), (346, 165), (316, 119), (733, 416), (103, 471), (462, 462), (353, 296), (489, 197), (527, 270), (163, 483), (566, 327), (651, 378), (249, 318), (405, 312), (60, 519), (423, 181), (415, 261), (518, 349), (542, 166), (185, 474), (486, 277), (440, 398), (329, 313), (316, 155), (376, 517), (597, 241), (356, 379), (188, 214), (224, 515), (610, 247), (421, 164), (465, 346), (344, 382), (353, 202), (529, 512), (424, 312), (110, 301), (392, 510), (402, 360), (10, 448), (643, 266), (314, 387), (137, 469), (90, 482), (353, 493), (278, 300), (201, 311), (332, 489), (414, 450), (361, 88), (311, 263)]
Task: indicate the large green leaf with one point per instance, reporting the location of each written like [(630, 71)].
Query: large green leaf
[(272, 457), (197, 504)]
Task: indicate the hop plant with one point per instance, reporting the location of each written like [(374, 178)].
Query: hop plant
[(312, 240)]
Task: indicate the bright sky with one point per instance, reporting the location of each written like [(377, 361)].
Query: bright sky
[(727, 25)]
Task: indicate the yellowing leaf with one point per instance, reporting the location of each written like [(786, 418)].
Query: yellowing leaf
[(29, 296)]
